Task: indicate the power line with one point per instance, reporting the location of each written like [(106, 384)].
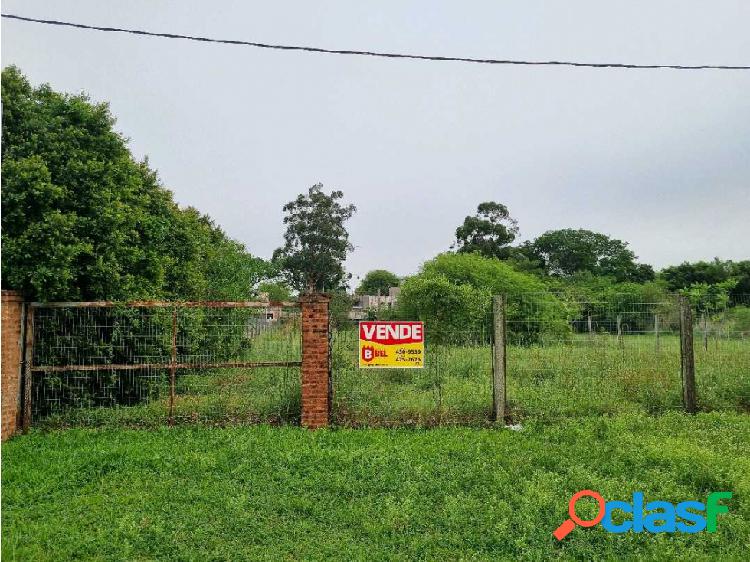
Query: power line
[(374, 53)]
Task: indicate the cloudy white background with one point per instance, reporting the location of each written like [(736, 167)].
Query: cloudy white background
[(660, 158)]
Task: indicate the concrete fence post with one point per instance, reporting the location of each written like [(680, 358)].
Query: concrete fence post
[(13, 319), (316, 387)]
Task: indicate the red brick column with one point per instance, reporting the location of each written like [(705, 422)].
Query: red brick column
[(10, 377), (316, 393)]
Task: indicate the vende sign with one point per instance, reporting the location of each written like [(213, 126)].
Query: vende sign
[(393, 345)]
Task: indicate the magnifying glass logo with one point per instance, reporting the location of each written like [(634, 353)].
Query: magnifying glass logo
[(569, 524)]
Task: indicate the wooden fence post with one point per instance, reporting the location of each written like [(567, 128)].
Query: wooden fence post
[(687, 358), (498, 359), (656, 330), (705, 332), (619, 331)]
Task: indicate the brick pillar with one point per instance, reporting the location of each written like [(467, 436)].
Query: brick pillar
[(316, 393), (12, 317)]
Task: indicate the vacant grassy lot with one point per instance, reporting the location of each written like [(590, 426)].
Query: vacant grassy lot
[(199, 493), (578, 378), (586, 376)]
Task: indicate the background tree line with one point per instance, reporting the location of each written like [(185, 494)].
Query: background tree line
[(580, 272), (83, 220)]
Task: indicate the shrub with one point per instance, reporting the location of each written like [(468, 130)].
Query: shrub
[(453, 295)]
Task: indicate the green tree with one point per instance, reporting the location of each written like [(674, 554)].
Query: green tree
[(687, 275), (710, 298), (277, 292), (489, 232), (82, 220), (377, 282), (340, 306), (316, 241), (452, 294), (568, 251)]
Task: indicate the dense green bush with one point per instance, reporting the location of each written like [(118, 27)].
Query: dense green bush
[(453, 295), (605, 299)]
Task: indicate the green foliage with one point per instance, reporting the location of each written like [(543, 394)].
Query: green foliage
[(481, 272), (700, 274), (489, 232), (686, 274), (276, 291), (568, 251), (449, 310), (316, 241), (82, 220), (712, 297), (377, 282), (339, 307), (453, 295)]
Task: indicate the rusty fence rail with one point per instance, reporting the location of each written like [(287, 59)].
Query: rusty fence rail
[(93, 362)]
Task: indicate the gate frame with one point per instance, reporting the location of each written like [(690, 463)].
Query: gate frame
[(307, 305)]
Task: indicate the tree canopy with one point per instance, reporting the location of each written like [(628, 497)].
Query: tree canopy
[(568, 251), (83, 220), (316, 241), (687, 274), (453, 293), (377, 282), (489, 232)]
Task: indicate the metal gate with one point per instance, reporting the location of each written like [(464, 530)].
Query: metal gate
[(140, 363)]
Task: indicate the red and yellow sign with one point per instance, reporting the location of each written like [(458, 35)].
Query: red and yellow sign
[(392, 345)]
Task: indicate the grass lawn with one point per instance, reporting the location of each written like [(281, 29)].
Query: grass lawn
[(202, 493)]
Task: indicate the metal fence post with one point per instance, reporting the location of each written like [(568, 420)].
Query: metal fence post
[(173, 367), (687, 358), (499, 358)]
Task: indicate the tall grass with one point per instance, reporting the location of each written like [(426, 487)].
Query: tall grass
[(582, 376), (577, 377)]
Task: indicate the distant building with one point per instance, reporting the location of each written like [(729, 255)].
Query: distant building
[(365, 304), (264, 319)]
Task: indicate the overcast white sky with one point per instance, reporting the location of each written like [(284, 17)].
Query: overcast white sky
[(659, 158)]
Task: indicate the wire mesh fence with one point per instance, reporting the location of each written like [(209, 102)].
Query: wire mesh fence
[(453, 387), (722, 354), (220, 363), (147, 363), (565, 358), (573, 358)]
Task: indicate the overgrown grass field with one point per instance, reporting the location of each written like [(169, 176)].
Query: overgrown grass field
[(201, 493), (586, 376)]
